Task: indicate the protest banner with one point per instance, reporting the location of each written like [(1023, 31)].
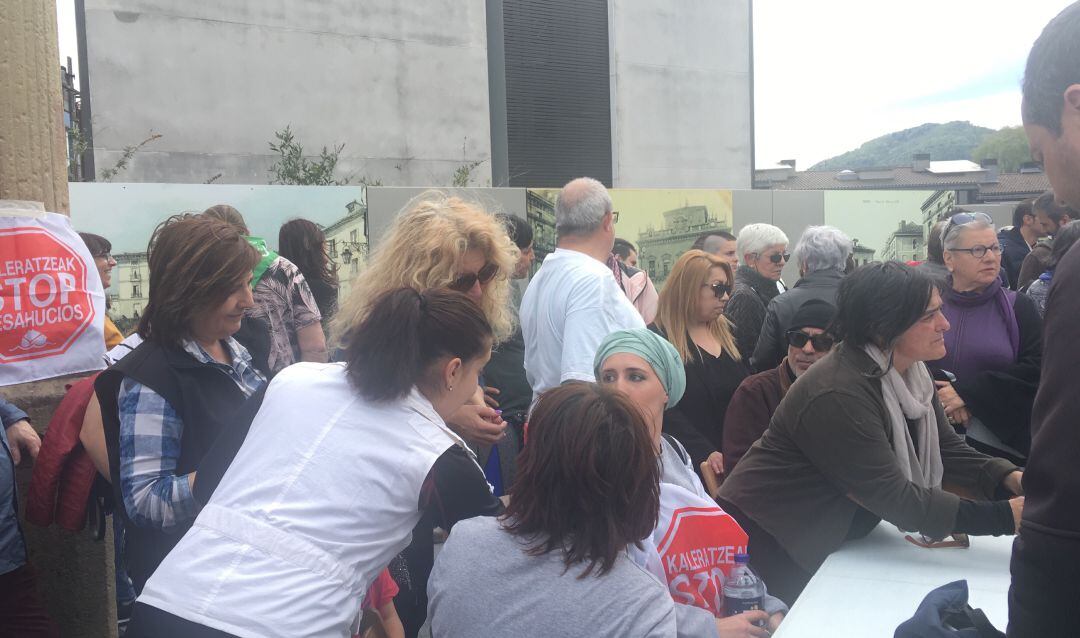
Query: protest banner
[(52, 306)]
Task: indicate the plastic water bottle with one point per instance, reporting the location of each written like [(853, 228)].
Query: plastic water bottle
[(743, 591)]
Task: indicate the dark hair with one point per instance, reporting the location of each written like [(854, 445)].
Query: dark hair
[(935, 248), (1048, 204), (519, 230), (96, 244), (699, 243), (1024, 209), (878, 302), (303, 243), (1063, 241), (229, 215), (405, 332), (588, 481), (623, 248), (196, 262), (1052, 66)]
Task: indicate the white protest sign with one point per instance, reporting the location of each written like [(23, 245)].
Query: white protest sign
[(52, 306)]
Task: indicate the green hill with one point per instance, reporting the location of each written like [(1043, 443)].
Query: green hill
[(950, 141)]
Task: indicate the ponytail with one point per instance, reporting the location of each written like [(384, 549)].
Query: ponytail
[(405, 332)]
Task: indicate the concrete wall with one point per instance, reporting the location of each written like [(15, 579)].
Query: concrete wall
[(681, 86), (403, 85)]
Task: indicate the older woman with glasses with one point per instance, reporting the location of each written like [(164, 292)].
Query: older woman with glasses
[(989, 375), (691, 316), (763, 250)]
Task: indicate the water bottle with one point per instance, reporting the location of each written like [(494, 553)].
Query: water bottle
[(743, 591)]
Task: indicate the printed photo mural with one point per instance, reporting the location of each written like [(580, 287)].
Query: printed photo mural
[(885, 225), (661, 224)]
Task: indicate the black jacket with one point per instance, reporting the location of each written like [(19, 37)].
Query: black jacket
[(746, 307), (204, 398), (1014, 248), (772, 344)]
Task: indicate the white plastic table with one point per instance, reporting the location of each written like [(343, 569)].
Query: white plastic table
[(871, 585)]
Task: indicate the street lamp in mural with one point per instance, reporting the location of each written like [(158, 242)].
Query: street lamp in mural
[(349, 249)]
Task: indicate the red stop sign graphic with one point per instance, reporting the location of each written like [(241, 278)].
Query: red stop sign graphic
[(44, 302), (697, 554)]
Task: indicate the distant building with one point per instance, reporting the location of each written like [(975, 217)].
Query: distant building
[(969, 183), (130, 289), (862, 254), (906, 243), (540, 213), (935, 207), (346, 242), (659, 248)]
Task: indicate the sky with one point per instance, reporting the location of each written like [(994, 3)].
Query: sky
[(832, 74)]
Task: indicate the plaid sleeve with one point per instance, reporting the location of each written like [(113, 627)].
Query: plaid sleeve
[(150, 431)]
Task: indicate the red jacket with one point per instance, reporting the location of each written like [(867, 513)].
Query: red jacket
[(63, 472)]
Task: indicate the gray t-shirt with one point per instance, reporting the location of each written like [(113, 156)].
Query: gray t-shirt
[(485, 584)]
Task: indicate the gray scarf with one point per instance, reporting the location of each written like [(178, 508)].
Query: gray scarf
[(910, 397)]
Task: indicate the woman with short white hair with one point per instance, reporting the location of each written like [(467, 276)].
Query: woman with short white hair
[(763, 251), (821, 253), (990, 372)]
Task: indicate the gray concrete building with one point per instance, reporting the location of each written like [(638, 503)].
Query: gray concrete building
[(639, 93)]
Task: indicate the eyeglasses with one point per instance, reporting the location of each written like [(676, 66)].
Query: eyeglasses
[(614, 217), (822, 342), (978, 252), (464, 283), (963, 219), (720, 289), (105, 256), (777, 257)]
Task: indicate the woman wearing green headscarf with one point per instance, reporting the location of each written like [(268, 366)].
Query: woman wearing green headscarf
[(650, 372)]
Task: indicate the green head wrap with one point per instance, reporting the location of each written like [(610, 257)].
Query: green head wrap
[(655, 350)]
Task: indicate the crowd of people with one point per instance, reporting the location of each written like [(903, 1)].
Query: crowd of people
[(280, 466)]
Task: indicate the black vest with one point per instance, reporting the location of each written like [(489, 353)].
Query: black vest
[(203, 397)]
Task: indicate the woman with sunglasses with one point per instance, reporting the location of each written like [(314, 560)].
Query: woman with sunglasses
[(690, 315), (440, 241), (754, 402), (990, 372), (861, 438), (763, 250)]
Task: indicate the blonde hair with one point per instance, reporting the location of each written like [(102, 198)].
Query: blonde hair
[(423, 249), (679, 299)]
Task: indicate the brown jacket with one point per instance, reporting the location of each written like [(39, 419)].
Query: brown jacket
[(828, 451), (750, 410)]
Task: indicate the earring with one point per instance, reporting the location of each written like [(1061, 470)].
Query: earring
[(449, 388)]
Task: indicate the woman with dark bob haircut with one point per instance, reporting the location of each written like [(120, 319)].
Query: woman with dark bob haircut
[(167, 401), (556, 563), (862, 437), (339, 465)]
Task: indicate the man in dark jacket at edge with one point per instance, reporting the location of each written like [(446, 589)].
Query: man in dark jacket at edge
[(1046, 554), (1050, 216), (821, 254), (1018, 240)]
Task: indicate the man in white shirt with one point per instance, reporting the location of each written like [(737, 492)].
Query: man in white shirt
[(573, 302)]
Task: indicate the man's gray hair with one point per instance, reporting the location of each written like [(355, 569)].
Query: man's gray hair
[(822, 248), (581, 206), (755, 238), (951, 234)]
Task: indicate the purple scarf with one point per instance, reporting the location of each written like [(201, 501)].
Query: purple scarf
[(983, 333)]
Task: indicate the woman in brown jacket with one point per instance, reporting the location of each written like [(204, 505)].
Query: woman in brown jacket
[(862, 437)]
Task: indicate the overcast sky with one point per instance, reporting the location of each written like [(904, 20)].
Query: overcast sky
[(832, 74)]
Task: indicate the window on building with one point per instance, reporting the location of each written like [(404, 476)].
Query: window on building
[(332, 248), (354, 235), (135, 276), (136, 291)]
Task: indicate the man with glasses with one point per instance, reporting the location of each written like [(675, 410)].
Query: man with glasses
[(753, 404), (573, 301), (821, 253), (1046, 554)]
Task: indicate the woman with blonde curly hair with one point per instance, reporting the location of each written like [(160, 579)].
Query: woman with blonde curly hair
[(691, 316)]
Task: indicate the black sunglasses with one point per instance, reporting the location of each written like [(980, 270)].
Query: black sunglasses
[(720, 289), (464, 283), (822, 342), (778, 257)]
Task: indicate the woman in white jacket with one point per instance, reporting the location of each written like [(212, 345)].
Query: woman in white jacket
[(340, 464)]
